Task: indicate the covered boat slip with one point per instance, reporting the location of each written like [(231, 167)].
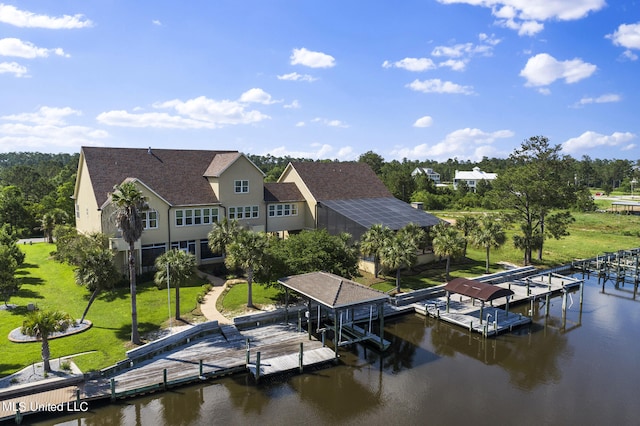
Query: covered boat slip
[(465, 301), (349, 309)]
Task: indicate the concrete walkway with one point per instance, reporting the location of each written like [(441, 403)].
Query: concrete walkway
[(208, 306)]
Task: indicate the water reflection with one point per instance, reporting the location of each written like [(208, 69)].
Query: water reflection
[(576, 368)]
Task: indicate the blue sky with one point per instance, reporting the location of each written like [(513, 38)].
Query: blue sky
[(430, 79)]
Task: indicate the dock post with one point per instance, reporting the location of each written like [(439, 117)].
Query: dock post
[(546, 305), (471, 326), (248, 351), (324, 332), (164, 379), (201, 369), (299, 321), (258, 366), (113, 389), (531, 310), (300, 359), (77, 395), (581, 292)]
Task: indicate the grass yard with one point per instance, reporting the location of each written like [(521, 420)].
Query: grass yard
[(51, 285)]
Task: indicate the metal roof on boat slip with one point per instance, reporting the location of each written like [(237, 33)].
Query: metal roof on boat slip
[(476, 289), (333, 291)]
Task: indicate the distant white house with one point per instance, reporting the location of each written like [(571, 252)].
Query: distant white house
[(430, 173), (472, 178)]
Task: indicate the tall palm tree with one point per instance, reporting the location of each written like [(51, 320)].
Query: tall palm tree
[(466, 224), (129, 202), (447, 242), (490, 235), (222, 234), (373, 241), (49, 221), (179, 265), (247, 251), (42, 324), (97, 272), (398, 252)]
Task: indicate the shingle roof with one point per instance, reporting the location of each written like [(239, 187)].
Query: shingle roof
[(220, 163), (175, 175), (281, 192), (341, 181), (332, 290)]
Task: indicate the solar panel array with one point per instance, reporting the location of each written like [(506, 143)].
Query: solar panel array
[(387, 211)]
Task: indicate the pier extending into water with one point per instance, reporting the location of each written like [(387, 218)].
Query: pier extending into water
[(619, 268)]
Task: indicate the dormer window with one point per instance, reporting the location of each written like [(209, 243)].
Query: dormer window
[(241, 186)]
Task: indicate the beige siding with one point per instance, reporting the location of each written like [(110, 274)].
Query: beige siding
[(88, 217), (308, 209), (224, 188), (287, 223)]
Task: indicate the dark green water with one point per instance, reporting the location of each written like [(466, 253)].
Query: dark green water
[(580, 372)]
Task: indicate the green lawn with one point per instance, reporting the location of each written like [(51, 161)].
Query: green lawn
[(50, 285)]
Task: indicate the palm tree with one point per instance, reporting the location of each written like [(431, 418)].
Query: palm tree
[(466, 224), (41, 324), (97, 272), (247, 251), (373, 241), (490, 235), (129, 202), (49, 221), (398, 252), (177, 266), (222, 234), (447, 242)]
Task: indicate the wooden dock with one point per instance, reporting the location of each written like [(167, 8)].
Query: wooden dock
[(493, 319)]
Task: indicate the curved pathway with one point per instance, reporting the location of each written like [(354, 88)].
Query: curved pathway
[(208, 306)]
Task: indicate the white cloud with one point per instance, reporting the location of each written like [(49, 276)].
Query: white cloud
[(543, 69), (48, 116), (156, 22), (257, 95), (411, 64), (628, 54), (24, 49), (330, 123), (300, 124), (294, 76), (425, 121), (438, 86), (525, 15), (454, 64), (44, 129), (466, 143), (603, 99), (591, 139), (196, 113), (21, 18), (13, 68), (315, 151), (312, 59), (293, 105), (627, 35)]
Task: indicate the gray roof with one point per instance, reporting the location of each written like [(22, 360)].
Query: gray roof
[(340, 180), (388, 211), (333, 290), (281, 192), (168, 172)]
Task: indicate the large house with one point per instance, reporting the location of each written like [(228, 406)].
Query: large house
[(189, 190), (428, 172), (472, 178)]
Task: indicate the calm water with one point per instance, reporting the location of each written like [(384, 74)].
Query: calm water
[(580, 372)]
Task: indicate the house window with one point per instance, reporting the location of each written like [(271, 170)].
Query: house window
[(283, 210), (245, 212), (241, 186), (150, 219), (205, 251), (186, 246), (190, 217)]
